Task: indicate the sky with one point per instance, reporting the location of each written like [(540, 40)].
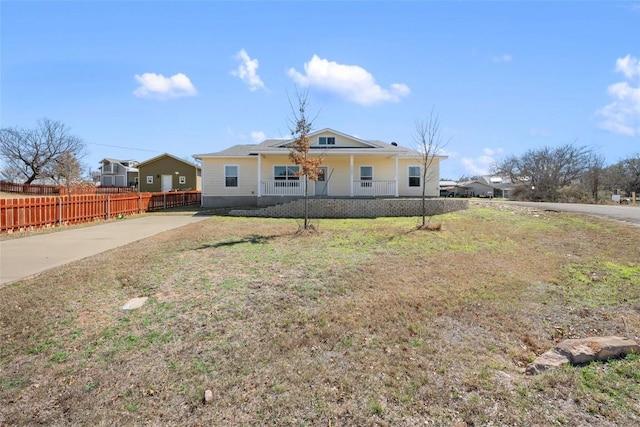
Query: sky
[(135, 79)]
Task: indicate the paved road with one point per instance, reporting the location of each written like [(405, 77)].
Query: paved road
[(24, 257), (626, 213)]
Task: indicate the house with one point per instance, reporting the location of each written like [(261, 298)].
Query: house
[(484, 186), (119, 173), (166, 172), (501, 185), (262, 174)]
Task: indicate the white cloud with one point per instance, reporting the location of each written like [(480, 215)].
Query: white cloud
[(629, 66), (622, 116), (157, 86), (502, 58), (258, 136), (247, 71), (481, 165), (351, 82)]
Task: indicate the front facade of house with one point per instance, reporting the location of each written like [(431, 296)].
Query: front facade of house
[(168, 173), (263, 174), (118, 173)]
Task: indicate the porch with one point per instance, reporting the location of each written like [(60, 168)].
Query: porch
[(359, 188)]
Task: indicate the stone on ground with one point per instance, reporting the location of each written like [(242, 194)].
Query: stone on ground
[(134, 303), (583, 350)]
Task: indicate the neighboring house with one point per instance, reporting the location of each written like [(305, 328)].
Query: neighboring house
[(474, 188), (166, 173), (263, 174), (501, 185), (484, 186), (118, 173)]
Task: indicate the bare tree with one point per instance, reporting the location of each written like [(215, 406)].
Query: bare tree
[(300, 128), (66, 171), (593, 177), (624, 176), (10, 174), (428, 137), (33, 152), (541, 173)]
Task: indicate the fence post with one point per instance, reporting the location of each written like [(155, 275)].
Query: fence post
[(139, 203), (164, 200), (59, 211), (108, 207)]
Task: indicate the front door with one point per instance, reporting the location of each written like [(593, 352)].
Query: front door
[(167, 183), (321, 183)]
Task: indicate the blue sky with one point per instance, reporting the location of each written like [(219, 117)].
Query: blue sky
[(135, 79)]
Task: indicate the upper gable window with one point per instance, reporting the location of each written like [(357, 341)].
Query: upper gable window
[(326, 140), (108, 168)]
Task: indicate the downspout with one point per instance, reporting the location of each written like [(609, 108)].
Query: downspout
[(201, 183), (396, 177), (351, 175), (259, 175)]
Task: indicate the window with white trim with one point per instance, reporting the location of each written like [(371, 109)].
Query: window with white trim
[(231, 175), (366, 176), (286, 176), (149, 179), (182, 180), (414, 176), (326, 140)]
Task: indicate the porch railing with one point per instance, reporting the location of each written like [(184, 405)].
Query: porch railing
[(282, 187), (374, 188)]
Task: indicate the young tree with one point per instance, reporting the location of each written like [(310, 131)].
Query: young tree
[(300, 128), (34, 151), (428, 137), (66, 171)]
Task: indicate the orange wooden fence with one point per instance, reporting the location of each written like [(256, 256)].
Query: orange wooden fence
[(54, 190), (28, 213)]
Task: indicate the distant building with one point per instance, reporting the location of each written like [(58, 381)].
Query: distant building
[(167, 172), (118, 173)]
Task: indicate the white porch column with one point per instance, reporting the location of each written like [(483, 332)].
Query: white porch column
[(397, 185), (259, 172), (351, 175)]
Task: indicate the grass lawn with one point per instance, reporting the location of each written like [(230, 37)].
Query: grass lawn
[(366, 322)]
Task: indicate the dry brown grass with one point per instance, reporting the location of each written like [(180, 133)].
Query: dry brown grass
[(363, 322)]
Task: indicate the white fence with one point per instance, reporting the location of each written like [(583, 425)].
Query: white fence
[(282, 187), (374, 188)]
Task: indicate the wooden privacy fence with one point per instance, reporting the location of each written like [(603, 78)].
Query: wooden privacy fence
[(55, 190), (18, 214)]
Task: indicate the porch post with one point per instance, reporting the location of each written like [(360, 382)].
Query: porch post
[(396, 178), (259, 172), (351, 175)]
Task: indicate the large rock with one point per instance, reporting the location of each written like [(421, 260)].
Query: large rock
[(583, 350), (134, 303)]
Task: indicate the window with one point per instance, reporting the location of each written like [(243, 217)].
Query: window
[(366, 174), (107, 168), (231, 176), (182, 180), (149, 179), (327, 140), (286, 176), (414, 176)]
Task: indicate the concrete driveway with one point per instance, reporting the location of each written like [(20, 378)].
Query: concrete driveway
[(24, 257), (626, 213)]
